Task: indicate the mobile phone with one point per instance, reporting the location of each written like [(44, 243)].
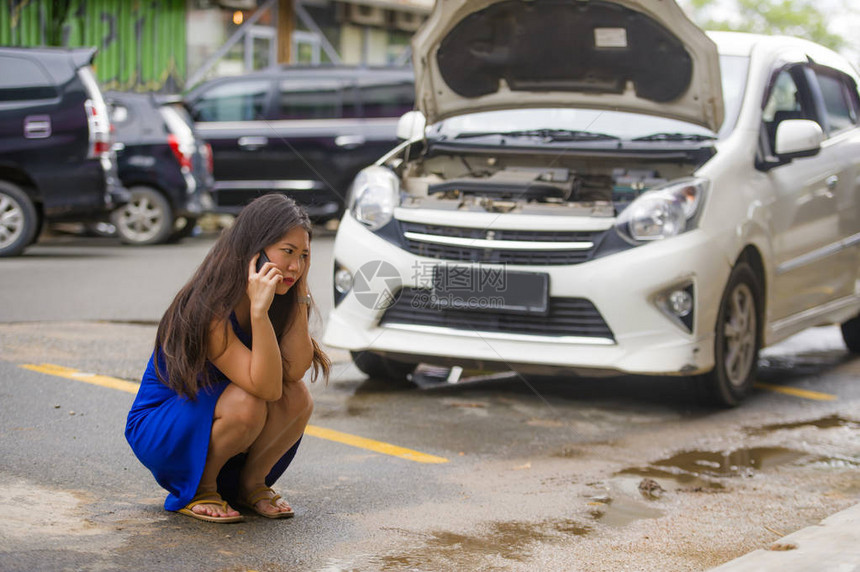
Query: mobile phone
[(262, 260)]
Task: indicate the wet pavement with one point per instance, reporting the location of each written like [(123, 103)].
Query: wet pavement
[(549, 473)]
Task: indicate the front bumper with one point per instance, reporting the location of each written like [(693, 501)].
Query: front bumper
[(621, 286)]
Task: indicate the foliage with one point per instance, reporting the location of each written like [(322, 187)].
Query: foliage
[(799, 18)]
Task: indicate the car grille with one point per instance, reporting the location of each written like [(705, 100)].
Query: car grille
[(567, 317), (529, 257)]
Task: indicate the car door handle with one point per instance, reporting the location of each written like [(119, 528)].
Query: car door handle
[(349, 141), (829, 184), (37, 126), (251, 143)]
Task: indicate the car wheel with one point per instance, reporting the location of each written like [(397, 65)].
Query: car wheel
[(737, 339), (379, 367), (18, 220), (851, 334), (146, 219)]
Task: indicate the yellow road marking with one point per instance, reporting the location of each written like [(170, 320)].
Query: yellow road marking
[(95, 379), (804, 393), (320, 432), (377, 446)]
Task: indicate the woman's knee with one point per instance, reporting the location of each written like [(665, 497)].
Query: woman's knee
[(238, 407), (296, 401)]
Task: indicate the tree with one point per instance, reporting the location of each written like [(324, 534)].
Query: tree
[(799, 18)]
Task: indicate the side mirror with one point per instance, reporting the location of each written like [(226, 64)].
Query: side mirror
[(797, 138), (411, 125)]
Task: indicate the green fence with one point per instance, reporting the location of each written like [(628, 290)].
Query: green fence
[(142, 44)]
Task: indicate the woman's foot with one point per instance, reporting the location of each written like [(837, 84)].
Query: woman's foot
[(266, 502), (209, 506)]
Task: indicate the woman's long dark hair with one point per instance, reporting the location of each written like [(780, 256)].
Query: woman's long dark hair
[(217, 287)]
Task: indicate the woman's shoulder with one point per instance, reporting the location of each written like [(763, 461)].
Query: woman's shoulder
[(220, 329)]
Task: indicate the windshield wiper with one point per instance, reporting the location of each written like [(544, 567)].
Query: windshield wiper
[(550, 134), (675, 137)]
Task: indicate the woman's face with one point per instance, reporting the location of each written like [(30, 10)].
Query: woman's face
[(291, 255)]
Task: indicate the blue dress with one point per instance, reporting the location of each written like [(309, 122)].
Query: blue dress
[(170, 433)]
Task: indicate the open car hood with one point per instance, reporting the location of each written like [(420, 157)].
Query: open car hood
[(642, 56)]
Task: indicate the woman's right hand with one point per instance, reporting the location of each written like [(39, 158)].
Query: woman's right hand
[(261, 286)]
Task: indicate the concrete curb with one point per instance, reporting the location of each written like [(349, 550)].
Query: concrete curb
[(833, 545)]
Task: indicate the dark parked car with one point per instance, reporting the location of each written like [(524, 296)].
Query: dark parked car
[(301, 131), (56, 161), (164, 164)]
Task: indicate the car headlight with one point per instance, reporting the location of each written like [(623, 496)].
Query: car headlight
[(663, 212), (375, 193)]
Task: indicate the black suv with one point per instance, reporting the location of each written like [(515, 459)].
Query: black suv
[(56, 161), (163, 163), (301, 131)]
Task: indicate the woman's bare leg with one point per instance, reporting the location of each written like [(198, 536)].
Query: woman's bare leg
[(285, 424), (239, 418)]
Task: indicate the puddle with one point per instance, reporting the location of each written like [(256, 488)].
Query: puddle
[(571, 527), (450, 550), (688, 480), (692, 469), (618, 512), (835, 462), (740, 462), (829, 422)]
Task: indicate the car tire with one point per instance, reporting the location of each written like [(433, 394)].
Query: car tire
[(851, 334), (737, 340), (18, 220), (146, 219), (379, 367)]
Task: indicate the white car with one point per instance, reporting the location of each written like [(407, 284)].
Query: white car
[(603, 188)]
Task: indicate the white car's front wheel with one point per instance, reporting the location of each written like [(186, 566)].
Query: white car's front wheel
[(737, 339), (380, 367)]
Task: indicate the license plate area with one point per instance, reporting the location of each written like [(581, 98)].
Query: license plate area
[(490, 289)]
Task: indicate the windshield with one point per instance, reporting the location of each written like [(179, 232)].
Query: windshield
[(608, 124)]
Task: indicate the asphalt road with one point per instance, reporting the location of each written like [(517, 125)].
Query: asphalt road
[(539, 473)]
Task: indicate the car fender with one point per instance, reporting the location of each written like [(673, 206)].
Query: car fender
[(14, 174)]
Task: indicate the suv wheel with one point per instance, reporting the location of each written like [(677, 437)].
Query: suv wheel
[(146, 219), (737, 339), (18, 220), (379, 367)]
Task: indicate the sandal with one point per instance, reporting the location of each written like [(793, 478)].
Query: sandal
[(262, 493), (209, 498)]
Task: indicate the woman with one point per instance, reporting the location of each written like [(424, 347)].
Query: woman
[(219, 417)]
